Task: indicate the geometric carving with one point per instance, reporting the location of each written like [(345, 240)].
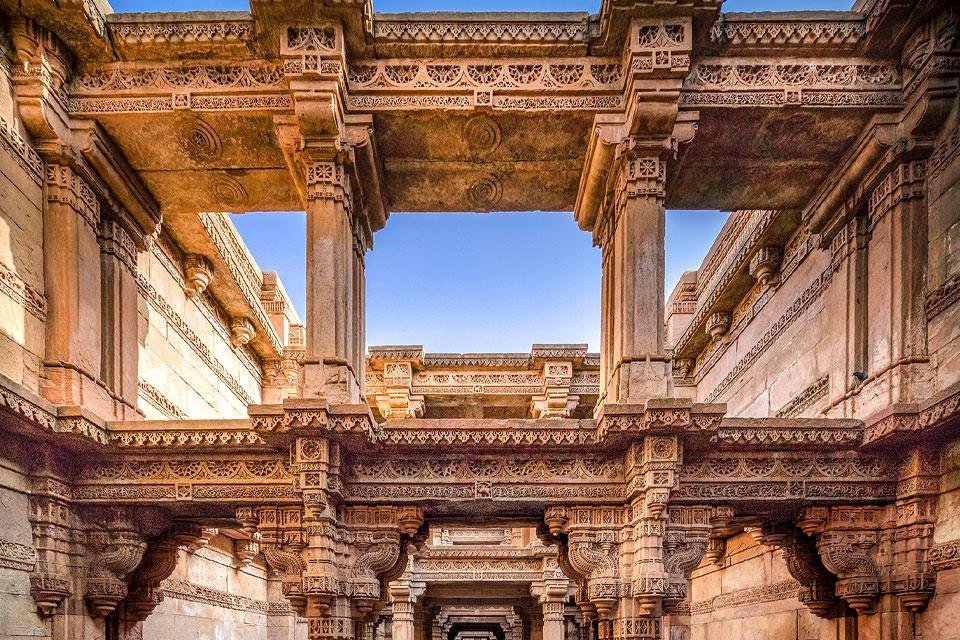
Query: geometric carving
[(485, 192), (200, 141), (482, 134)]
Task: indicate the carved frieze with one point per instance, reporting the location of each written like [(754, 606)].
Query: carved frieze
[(481, 32), (756, 31), (175, 33), (807, 397), (733, 82), (14, 555)]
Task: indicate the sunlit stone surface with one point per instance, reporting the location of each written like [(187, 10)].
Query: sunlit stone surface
[(770, 452)]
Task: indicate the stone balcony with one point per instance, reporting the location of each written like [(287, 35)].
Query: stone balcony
[(552, 381)]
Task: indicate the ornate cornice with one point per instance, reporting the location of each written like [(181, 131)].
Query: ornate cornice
[(132, 29), (184, 434), (18, 148), (520, 433), (742, 238), (13, 399), (827, 30), (241, 266), (153, 297), (159, 401), (167, 254), (908, 419), (792, 432), (494, 30), (803, 302), (190, 592)]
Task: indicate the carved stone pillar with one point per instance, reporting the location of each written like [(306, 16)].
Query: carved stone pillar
[(631, 234), (95, 210), (335, 286), (556, 401), (403, 599), (551, 594), (120, 339), (654, 462), (72, 273)]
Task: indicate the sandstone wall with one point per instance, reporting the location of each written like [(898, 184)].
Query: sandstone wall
[(18, 615), (751, 595), (22, 305), (211, 595), (939, 621), (943, 258), (792, 349), (188, 367)]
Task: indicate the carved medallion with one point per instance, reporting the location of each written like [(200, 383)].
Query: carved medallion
[(200, 141), (228, 192), (485, 193), (482, 134)]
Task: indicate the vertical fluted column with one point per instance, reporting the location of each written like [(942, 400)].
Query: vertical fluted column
[(633, 365), (71, 218), (120, 344), (403, 598), (553, 623), (335, 284)]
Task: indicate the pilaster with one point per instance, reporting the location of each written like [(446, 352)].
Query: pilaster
[(631, 236)]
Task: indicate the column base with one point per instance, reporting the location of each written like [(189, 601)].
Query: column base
[(331, 379), (636, 381)]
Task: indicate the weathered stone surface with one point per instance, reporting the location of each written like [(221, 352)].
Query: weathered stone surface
[(769, 452)]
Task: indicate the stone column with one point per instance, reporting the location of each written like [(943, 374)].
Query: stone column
[(551, 593), (553, 623), (120, 345), (403, 597), (71, 218), (403, 619), (631, 235), (335, 283)]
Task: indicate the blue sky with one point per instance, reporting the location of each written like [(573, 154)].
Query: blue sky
[(477, 282)]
